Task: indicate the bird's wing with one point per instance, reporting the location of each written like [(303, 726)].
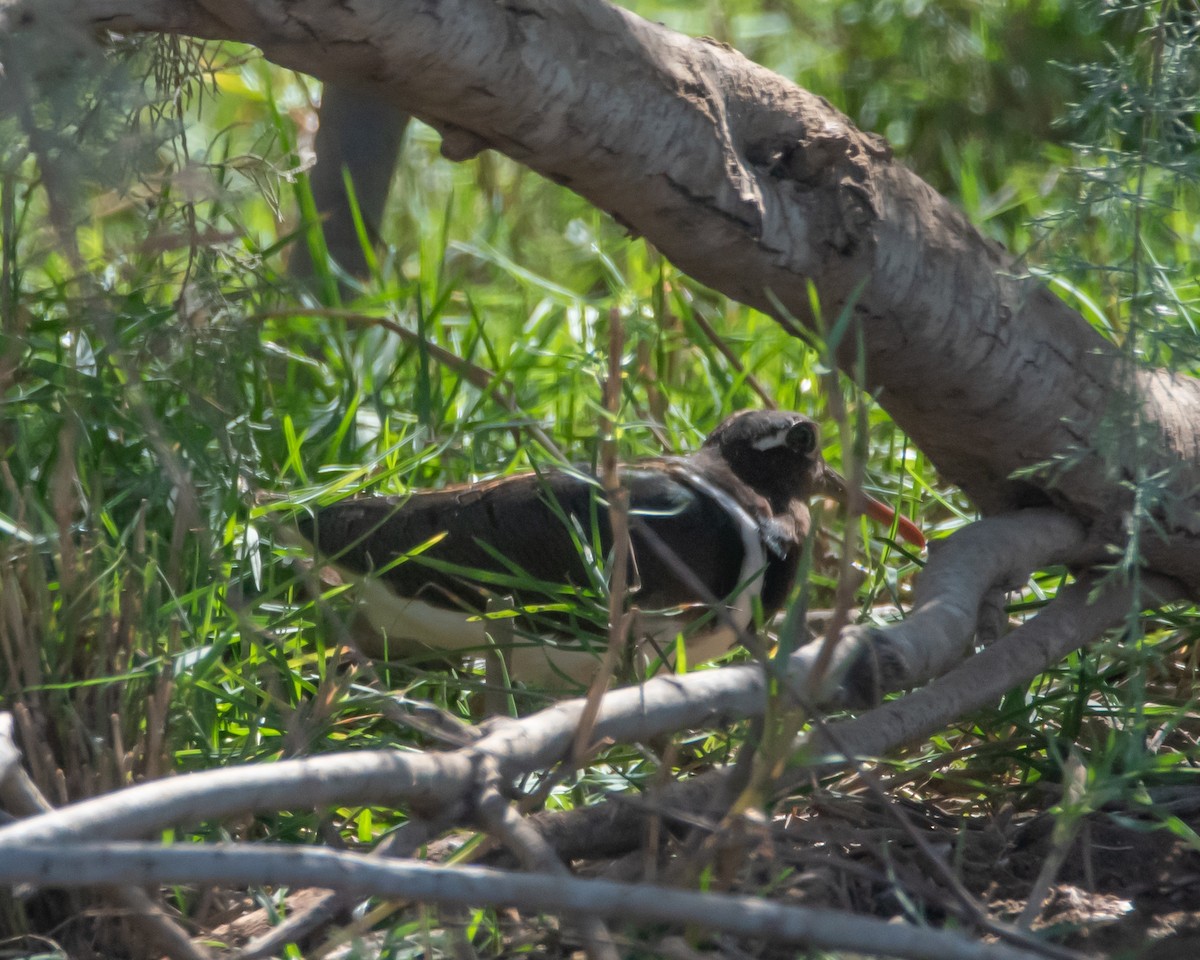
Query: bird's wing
[(531, 535)]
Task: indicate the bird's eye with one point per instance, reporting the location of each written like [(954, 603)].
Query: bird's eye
[(802, 438)]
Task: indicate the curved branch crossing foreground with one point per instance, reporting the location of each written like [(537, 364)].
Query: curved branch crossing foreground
[(448, 786), (997, 553), (432, 783), (141, 863)]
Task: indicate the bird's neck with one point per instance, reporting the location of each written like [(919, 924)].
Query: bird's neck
[(781, 515)]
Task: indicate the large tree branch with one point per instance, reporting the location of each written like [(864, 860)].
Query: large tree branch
[(757, 187)]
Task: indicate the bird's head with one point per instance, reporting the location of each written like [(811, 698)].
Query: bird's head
[(777, 453)]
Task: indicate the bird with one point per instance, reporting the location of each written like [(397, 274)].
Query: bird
[(716, 539)]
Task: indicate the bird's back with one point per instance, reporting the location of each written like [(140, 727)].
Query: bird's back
[(531, 536)]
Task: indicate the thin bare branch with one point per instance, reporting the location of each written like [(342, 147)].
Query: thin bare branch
[(537, 856), (427, 782), (618, 518), (404, 842), (734, 360), (1073, 619), (90, 864)]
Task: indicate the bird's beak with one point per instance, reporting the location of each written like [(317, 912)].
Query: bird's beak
[(833, 484)]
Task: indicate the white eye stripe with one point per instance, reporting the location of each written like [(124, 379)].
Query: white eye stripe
[(772, 441)]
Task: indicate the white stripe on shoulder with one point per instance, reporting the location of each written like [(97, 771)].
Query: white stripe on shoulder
[(754, 555)]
